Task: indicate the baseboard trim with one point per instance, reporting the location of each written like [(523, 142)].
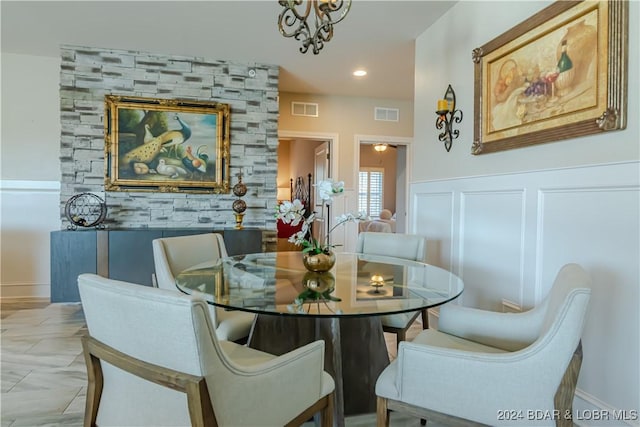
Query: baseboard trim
[(587, 409), (16, 300), (27, 291)]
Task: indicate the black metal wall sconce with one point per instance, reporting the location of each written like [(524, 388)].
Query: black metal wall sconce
[(447, 115)]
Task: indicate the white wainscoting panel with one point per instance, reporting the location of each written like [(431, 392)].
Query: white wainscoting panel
[(492, 239), (591, 226), (30, 211), (433, 216), (508, 235)]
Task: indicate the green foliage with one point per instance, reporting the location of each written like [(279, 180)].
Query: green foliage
[(128, 120)]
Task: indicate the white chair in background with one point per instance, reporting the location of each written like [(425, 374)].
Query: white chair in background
[(405, 246), (164, 366), (379, 227), (479, 363), (172, 255)]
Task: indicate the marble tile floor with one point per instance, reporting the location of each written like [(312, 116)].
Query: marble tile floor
[(43, 375)]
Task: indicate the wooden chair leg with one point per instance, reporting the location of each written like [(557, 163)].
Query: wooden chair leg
[(199, 403), (425, 319), (94, 385), (382, 413), (401, 335), (326, 414), (563, 399)]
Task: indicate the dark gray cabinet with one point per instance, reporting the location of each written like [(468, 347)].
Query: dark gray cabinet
[(122, 254), (72, 253)]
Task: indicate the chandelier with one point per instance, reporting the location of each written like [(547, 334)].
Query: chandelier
[(294, 21)]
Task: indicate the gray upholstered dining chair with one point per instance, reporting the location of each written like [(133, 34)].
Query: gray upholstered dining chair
[(171, 255), (406, 246), (479, 363), (153, 359)]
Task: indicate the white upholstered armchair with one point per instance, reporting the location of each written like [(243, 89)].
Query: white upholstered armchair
[(479, 363), (166, 367), (405, 246), (171, 255)]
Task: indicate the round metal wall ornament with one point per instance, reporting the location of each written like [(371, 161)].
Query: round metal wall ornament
[(85, 210)]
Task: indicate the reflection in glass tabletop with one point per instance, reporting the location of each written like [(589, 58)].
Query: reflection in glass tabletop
[(358, 285)]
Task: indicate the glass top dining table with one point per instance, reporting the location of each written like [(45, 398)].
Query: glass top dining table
[(358, 285), (344, 307)]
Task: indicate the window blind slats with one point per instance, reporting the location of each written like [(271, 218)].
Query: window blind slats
[(370, 191)]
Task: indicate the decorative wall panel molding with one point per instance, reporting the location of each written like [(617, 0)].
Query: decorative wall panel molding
[(434, 217), (511, 233), (492, 229), (32, 206)]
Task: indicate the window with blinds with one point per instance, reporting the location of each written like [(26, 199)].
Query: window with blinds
[(370, 185)]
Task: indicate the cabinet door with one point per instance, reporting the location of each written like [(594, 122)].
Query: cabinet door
[(244, 241), (72, 253), (131, 255)]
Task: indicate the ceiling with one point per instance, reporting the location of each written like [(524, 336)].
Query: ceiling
[(376, 35)]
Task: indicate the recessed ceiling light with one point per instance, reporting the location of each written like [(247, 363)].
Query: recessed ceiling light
[(359, 73)]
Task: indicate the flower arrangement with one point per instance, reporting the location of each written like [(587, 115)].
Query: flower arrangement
[(294, 213)]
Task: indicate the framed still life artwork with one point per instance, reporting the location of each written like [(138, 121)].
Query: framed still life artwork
[(166, 145), (560, 74)]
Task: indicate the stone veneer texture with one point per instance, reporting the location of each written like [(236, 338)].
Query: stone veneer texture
[(88, 74)]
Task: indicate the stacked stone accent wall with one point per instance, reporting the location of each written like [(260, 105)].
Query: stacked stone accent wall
[(88, 74)]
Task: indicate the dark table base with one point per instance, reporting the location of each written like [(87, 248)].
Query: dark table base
[(355, 353)]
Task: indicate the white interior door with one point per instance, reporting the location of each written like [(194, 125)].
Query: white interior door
[(321, 166), (401, 189)]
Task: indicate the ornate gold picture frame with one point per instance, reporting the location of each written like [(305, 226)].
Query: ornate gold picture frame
[(166, 145), (560, 74)]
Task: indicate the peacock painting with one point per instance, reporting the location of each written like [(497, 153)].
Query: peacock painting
[(167, 146)]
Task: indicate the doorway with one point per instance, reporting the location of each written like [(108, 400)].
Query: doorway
[(392, 163), (304, 156)]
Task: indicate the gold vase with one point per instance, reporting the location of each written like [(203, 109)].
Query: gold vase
[(319, 263)]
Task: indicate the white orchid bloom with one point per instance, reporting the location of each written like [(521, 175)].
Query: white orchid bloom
[(325, 190), (291, 212), (294, 213), (298, 237), (338, 187), (349, 217), (328, 188)]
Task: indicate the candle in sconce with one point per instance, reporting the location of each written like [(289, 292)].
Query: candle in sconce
[(442, 105)]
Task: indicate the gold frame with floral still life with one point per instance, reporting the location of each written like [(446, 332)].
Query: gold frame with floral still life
[(560, 74), (166, 145)]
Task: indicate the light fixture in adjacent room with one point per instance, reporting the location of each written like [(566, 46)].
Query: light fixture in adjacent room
[(283, 193), (380, 147), (311, 21), (360, 73)]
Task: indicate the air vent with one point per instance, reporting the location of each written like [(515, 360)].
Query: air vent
[(386, 114), (306, 109)]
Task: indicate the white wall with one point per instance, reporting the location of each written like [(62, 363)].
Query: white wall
[(347, 117), (507, 221), (30, 118), (30, 173), (443, 56)]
